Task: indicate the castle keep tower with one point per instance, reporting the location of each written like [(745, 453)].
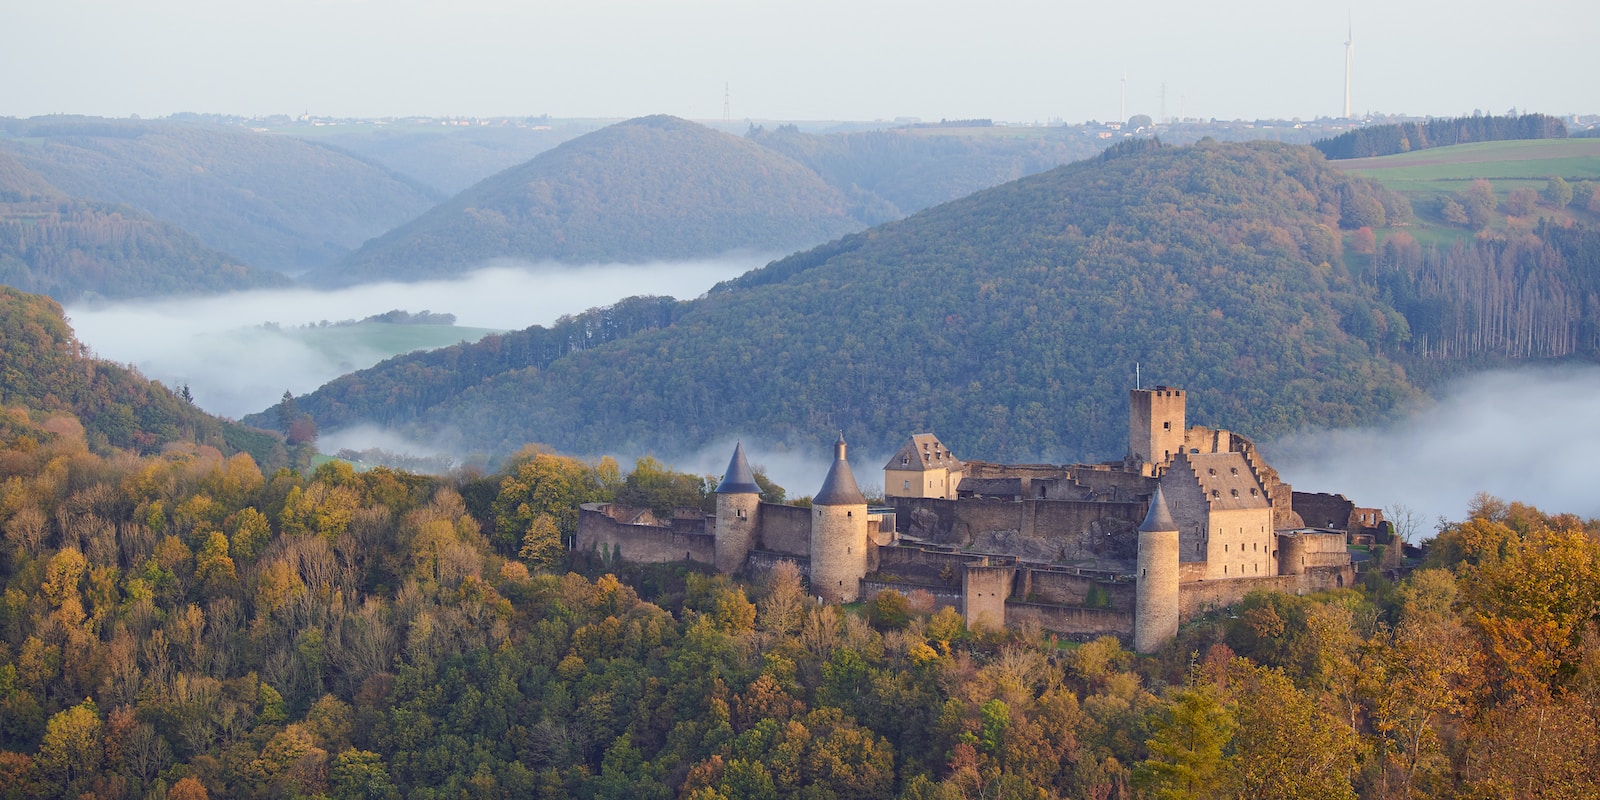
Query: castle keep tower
[(738, 505), (1155, 428), (1155, 616), (838, 533)]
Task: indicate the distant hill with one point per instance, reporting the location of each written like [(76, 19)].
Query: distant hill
[(646, 189), (69, 248), (272, 201), (1008, 321), (897, 172), (447, 158), (44, 369)]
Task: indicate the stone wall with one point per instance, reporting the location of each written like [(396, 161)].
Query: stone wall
[(784, 529), (1081, 624), (1200, 597), (924, 565), (761, 562), (642, 544), (1033, 530), (1302, 550), (1061, 587), (1321, 510), (943, 596)]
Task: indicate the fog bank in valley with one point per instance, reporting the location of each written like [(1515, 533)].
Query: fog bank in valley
[(1521, 434), (234, 366)]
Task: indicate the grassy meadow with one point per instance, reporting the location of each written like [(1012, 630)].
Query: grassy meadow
[(1427, 177)]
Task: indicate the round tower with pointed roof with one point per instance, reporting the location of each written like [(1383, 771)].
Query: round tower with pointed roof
[(738, 505), (839, 533), (1155, 613)]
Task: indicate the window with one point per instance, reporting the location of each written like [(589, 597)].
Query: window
[(1166, 426), (904, 460), (1216, 493), (1234, 492), (908, 485), (1233, 470), (1210, 471)]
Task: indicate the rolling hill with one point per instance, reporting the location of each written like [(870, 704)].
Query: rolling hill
[(897, 172), (70, 248), (275, 202), (647, 189), (1008, 321), (45, 371)]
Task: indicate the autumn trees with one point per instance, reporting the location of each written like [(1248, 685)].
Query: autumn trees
[(185, 624)]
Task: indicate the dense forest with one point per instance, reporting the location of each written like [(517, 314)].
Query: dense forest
[(70, 248), (1403, 137), (273, 201), (653, 188), (1008, 321), (185, 625), (46, 371)]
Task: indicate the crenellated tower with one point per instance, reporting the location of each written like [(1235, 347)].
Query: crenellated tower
[(1155, 428), (839, 533)]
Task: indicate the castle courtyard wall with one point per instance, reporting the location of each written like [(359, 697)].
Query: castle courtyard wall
[(643, 544), (1034, 530), (784, 529)]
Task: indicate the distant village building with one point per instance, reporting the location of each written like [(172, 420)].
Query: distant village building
[(1191, 520)]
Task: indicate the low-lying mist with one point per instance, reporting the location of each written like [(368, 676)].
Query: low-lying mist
[(1521, 434), (233, 366)]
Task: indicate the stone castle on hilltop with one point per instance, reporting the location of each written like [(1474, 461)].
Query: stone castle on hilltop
[(1191, 520)]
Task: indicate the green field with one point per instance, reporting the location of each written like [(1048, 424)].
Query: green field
[(1508, 165), (1425, 177)]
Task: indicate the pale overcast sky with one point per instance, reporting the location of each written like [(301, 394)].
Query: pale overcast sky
[(1015, 60)]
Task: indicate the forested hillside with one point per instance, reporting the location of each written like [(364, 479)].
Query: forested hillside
[(186, 626), (647, 189), (273, 201), (68, 247), (1009, 322), (897, 172), (46, 374)]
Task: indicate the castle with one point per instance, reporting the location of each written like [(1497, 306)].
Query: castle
[(1191, 520)]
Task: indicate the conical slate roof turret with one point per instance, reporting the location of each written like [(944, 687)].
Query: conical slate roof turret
[(1158, 518), (739, 478), (839, 488)]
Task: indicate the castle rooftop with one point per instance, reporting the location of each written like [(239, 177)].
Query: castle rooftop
[(1158, 518), (839, 488), (739, 478)]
